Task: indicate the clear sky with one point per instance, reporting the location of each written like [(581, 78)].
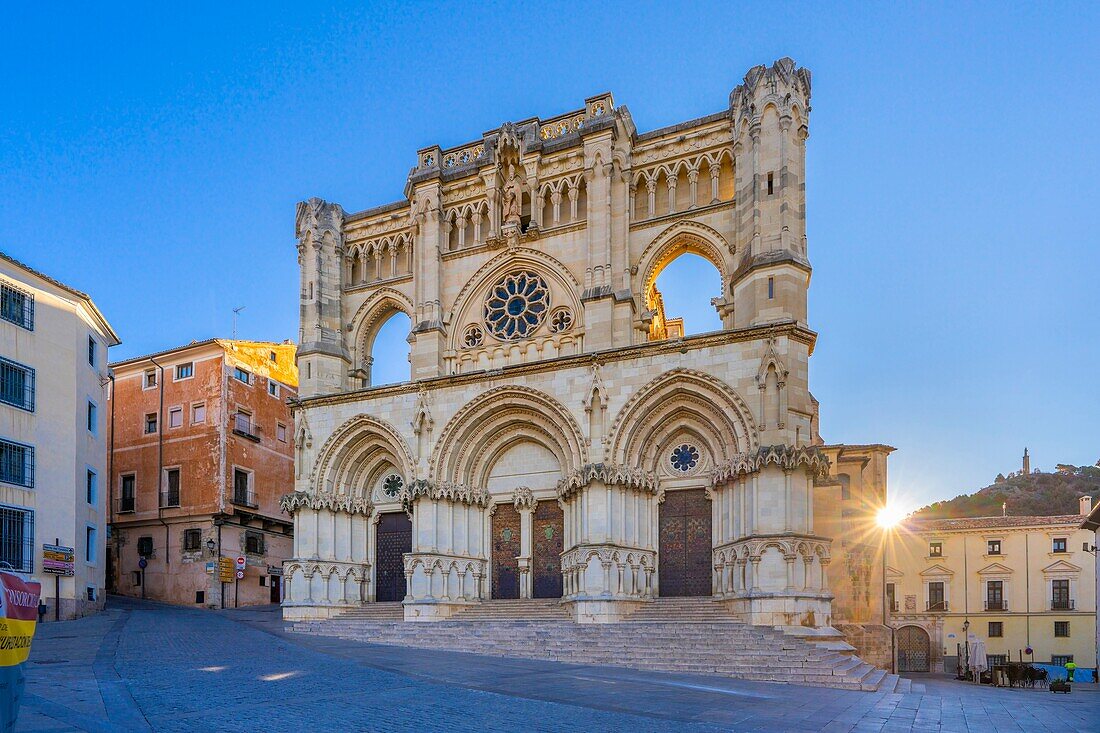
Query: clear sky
[(153, 157)]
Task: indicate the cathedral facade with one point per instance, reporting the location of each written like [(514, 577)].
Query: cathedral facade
[(560, 436)]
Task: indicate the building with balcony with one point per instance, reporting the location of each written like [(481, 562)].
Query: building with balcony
[(202, 451), (1014, 582), (53, 448)]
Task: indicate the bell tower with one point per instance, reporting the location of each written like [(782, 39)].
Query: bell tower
[(323, 359), (770, 118)]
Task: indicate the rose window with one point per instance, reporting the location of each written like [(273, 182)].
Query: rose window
[(561, 320), (517, 305), (392, 485), (684, 457), (474, 336)]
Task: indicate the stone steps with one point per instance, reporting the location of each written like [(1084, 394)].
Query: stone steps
[(675, 635)]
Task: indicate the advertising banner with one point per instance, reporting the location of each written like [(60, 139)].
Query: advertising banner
[(18, 615)]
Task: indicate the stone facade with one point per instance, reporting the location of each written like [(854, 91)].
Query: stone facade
[(544, 370)]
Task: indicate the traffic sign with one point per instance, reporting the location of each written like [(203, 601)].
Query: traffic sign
[(143, 563), (240, 574), (225, 569), (240, 562), (58, 559)]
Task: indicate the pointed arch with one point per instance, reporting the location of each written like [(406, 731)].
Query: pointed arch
[(357, 452), (379, 306)]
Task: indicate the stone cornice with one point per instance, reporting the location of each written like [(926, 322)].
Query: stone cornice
[(326, 501), (610, 475), (444, 490), (789, 329), (785, 457)]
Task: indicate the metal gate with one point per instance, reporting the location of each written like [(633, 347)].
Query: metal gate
[(548, 526), (914, 648), (392, 541), (685, 544), (506, 549)]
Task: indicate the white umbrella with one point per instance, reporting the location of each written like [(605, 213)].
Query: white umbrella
[(978, 660)]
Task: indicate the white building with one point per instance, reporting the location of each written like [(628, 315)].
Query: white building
[(53, 450)]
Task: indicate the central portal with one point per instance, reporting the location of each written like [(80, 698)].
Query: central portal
[(506, 550), (684, 560), (548, 530), (393, 540)]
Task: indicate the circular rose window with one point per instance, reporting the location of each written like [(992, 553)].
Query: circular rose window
[(391, 485), (684, 457), (516, 305)]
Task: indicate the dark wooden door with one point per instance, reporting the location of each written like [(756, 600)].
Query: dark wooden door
[(548, 526), (276, 588), (393, 540), (685, 544), (506, 548), (914, 649)]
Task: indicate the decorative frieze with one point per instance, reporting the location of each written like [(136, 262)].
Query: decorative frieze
[(608, 474), (443, 490), (785, 457), (324, 500)]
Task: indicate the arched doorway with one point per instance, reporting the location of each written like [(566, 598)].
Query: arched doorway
[(548, 530), (392, 540), (914, 649), (506, 549), (684, 544)]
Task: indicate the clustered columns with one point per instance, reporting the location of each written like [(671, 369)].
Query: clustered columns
[(769, 565), (446, 569), (330, 569), (610, 540), (525, 502)]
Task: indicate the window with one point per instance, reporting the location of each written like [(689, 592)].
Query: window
[(93, 417), (935, 549), (253, 543), (126, 493), (89, 592), (1061, 628), (150, 423), (242, 425), (993, 547), (198, 413), (16, 464), (145, 546), (1059, 596), (89, 546), (263, 580), (135, 577), (891, 598), (17, 538), (309, 370), (150, 379), (272, 356), (280, 432), (845, 486), (16, 385), (242, 375), (995, 595), (171, 495), (185, 371), (91, 351), (771, 288), (996, 629), (936, 601), (175, 417), (91, 487), (242, 487), (1061, 660), (192, 540), (200, 596), (1058, 545), (771, 183), (273, 388), (17, 306)]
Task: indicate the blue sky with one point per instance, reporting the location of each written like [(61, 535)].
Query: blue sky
[(153, 157)]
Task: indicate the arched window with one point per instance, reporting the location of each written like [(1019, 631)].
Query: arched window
[(390, 351), (680, 298)]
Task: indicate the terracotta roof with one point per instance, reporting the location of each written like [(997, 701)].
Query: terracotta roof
[(990, 522)]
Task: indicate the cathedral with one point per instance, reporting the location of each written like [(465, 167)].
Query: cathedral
[(560, 436)]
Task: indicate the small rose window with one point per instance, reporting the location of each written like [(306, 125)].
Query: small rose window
[(474, 336), (684, 457), (392, 485), (561, 320)]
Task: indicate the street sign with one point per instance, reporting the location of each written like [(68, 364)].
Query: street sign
[(58, 560), (210, 567), (225, 569), (240, 562), (274, 570), (143, 563), (240, 574)]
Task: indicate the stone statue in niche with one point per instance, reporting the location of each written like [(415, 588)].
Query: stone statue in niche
[(512, 196)]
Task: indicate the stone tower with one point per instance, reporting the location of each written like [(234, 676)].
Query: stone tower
[(1027, 463), (323, 359)]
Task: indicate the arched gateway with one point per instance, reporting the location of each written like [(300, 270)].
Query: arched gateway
[(559, 436)]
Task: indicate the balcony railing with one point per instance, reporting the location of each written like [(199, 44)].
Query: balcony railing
[(893, 606), (126, 504), (170, 498), (242, 426), (937, 605), (993, 605), (244, 497), (1061, 604)]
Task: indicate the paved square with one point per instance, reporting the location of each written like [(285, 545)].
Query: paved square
[(152, 667)]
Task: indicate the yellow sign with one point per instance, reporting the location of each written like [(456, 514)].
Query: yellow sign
[(18, 615), (227, 570)]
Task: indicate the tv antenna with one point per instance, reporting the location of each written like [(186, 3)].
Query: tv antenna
[(236, 312)]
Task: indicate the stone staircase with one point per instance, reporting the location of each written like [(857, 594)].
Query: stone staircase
[(687, 635)]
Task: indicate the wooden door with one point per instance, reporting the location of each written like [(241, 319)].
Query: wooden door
[(506, 549), (684, 544), (914, 647), (548, 526), (392, 541)]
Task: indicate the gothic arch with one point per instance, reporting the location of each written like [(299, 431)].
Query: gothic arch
[(494, 421), (678, 399), (369, 318), (356, 451), (679, 238)]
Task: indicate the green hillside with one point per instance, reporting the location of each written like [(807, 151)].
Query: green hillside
[(1034, 494)]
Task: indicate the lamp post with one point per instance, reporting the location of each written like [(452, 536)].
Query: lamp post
[(210, 544), (966, 643)]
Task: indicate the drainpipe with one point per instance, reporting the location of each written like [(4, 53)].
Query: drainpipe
[(160, 459), (111, 478)]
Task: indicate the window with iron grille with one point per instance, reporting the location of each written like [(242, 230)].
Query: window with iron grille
[(996, 660), (126, 493), (1061, 628), (1061, 660), (1059, 595), (192, 540), (145, 546), (91, 351), (16, 464), (17, 306), (171, 495), (16, 539), (16, 384), (254, 543), (996, 629), (242, 487)]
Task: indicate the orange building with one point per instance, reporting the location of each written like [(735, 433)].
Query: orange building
[(201, 450)]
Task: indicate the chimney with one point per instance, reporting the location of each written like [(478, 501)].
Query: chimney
[(1086, 505)]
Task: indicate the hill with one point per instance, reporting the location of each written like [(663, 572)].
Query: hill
[(1034, 494)]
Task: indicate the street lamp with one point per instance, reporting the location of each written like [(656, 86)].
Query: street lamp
[(210, 546)]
